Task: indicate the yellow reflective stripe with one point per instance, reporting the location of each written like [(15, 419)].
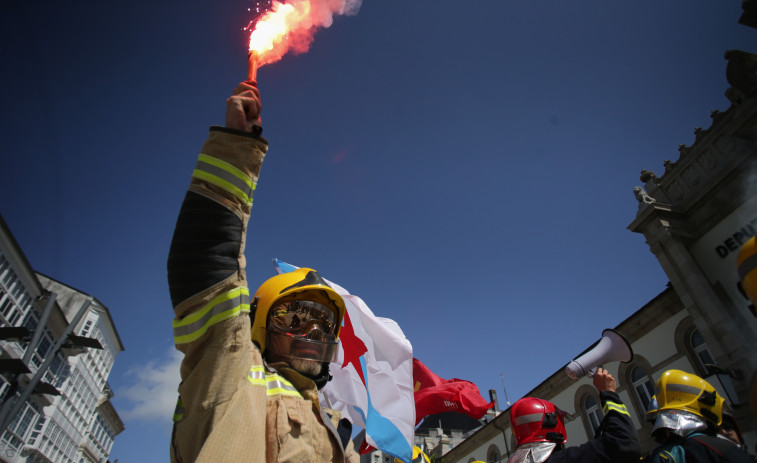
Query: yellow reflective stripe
[(178, 413), (222, 307), (226, 176), (274, 383), (620, 408)]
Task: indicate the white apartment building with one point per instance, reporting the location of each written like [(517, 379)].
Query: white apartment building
[(67, 416)]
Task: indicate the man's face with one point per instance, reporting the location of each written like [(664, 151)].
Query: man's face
[(302, 334), (730, 434)]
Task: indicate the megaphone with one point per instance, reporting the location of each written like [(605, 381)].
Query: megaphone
[(612, 347)]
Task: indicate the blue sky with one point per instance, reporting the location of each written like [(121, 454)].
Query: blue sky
[(467, 168)]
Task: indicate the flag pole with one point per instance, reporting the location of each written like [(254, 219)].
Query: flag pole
[(326, 399)]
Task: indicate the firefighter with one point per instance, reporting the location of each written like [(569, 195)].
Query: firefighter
[(689, 414), (539, 430), (252, 367)]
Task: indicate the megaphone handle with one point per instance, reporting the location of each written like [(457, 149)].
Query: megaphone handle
[(592, 372)]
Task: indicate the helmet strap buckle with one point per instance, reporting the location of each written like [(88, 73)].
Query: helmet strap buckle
[(550, 420), (708, 398)]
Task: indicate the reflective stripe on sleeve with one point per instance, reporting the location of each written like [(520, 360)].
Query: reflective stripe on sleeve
[(223, 307), (612, 406), (226, 176), (178, 414), (274, 383)]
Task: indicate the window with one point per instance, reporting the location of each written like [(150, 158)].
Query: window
[(493, 455), (593, 412), (86, 328), (8, 310), (701, 352), (643, 386), (37, 430)]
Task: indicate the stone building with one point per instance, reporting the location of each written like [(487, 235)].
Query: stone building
[(694, 218)]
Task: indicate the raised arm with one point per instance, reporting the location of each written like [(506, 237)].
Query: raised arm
[(209, 291), (208, 239)]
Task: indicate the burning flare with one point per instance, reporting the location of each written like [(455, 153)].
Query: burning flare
[(291, 26)]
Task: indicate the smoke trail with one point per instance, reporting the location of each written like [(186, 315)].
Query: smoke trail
[(291, 26)]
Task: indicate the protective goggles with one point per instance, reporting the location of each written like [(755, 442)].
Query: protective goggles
[(303, 318), (302, 330)]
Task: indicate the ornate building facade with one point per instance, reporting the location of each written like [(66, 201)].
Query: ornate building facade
[(694, 218)]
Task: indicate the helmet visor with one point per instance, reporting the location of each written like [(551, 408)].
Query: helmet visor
[(302, 330), (302, 317)]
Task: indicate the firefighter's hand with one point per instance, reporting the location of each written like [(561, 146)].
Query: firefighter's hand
[(604, 381), (243, 108)]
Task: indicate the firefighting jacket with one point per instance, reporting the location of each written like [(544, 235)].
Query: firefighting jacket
[(616, 440), (232, 406), (699, 448)]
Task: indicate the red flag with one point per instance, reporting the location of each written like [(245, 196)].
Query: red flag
[(365, 447), (436, 395)]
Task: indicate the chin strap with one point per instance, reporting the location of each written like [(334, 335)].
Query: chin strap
[(323, 377)]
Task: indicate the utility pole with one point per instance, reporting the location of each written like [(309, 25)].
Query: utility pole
[(502, 377), (507, 401)]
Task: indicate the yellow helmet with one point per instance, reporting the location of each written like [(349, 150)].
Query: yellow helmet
[(747, 266), (300, 284), (678, 390), (651, 415), (418, 456)]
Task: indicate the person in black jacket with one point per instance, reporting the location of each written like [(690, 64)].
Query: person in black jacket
[(540, 431)]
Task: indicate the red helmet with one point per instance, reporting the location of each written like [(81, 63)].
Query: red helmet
[(537, 420)]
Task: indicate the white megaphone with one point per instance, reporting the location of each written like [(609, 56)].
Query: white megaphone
[(612, 347)]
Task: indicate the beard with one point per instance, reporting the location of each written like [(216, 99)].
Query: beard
[(309, 368)]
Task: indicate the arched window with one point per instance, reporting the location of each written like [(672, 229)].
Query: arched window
[(643, 386), (493, 455), (593, 412), (701, 352)]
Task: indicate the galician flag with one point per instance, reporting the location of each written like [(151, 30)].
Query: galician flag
[(372, 384)]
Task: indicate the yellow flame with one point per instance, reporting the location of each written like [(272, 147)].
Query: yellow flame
[(270, 38)]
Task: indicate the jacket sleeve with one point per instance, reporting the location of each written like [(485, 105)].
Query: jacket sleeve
[(617, 441), (206, 263), (208, 239)]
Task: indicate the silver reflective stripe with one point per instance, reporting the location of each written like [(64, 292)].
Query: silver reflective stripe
[(683, 388), (226, 176), (274, 383), (749, 264), (534, 417)]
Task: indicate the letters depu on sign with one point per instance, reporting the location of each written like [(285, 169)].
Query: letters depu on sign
[(734, 242)]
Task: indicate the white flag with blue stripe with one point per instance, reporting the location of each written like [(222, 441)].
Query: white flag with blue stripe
[(372, 382)]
